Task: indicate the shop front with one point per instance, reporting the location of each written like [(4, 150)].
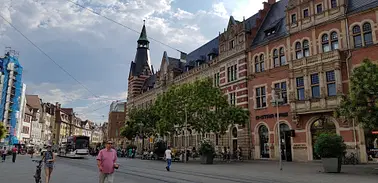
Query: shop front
[(371, 138)]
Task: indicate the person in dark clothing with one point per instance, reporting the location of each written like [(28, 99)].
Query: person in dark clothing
[(14, 154), (3, 154)]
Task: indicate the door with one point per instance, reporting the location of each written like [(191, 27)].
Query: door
[(286, 153)]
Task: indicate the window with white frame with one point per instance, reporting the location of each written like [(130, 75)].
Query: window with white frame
[(216, 79), (283, 87), (261, 97), (333, 3), (331, 83), (232, 98), (302, 50), (315, 88), (300, 88), (279, 58), (232, 73), (364, 37), (330, 44), (259, 63), (319, 8)]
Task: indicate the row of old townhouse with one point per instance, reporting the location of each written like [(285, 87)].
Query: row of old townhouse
[(46, 123), (305, 48)]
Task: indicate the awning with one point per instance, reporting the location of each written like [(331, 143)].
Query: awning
[(375, 132)]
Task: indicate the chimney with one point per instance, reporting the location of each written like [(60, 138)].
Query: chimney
[(266, 5)]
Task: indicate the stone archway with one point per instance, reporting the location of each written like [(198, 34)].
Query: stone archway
[(316, 126), (263, 136)]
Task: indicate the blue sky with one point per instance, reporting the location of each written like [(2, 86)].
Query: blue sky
[(98, 52)]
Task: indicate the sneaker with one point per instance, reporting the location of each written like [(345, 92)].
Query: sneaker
[(167, 168)]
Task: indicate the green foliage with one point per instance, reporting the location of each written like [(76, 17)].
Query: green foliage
[(2, 130), (362, 103), (330, 145), (206, 148), (142, 123), (203, 106)]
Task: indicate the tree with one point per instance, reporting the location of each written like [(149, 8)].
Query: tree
[(142, 123), (362, 102), (199, 106), (2, 130)]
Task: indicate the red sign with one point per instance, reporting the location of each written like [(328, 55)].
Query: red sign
[(374, 132)]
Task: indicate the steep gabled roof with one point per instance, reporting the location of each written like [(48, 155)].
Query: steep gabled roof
[(274, 22), (33, 101), (202, 52)]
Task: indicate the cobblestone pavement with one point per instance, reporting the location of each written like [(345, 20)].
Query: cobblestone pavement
[(145, 171)]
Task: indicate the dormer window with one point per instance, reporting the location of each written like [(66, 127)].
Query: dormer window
[(270, 31), (333, 3), (232, 44), (306, 13), (210, 57), (294, 18)]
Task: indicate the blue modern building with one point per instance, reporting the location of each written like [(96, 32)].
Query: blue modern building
[(11, 90)]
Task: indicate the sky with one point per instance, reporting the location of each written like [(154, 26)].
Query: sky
[(98, 52)]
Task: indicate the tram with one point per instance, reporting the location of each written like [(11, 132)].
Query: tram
[(75, 147)]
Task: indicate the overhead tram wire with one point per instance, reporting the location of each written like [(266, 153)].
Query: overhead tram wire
[(51, 59), (127, 27)]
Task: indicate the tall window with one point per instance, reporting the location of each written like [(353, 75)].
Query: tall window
[(368, 37), (216, 79), (306, 13), (276, 60), (333, 3), (232, 98), (319, 8), (260, 97), (331, 83), (306, 48), (302, 51), (298, 50), (315, 89), (279, 57), (282, 56), (325, 43), (232, 73), (283, 88), (334, 41), (294, 18), (300, 88), (357, 39), (259, 63), (232, 44)]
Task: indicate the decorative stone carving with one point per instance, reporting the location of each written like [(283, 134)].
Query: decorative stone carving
[(295, 119), (292, 95)]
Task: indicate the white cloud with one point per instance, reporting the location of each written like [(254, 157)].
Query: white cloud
[(220, 10)]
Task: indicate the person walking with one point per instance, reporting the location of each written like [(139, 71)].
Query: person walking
[(106, 162), (3, 154), (14, 154), (168, 157), (49, 159)]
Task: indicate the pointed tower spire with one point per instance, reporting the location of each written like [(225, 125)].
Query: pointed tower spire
[(143, 35)]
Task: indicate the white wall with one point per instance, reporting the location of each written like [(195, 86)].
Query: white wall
[(21, 114)]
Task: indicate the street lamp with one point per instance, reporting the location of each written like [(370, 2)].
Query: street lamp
[(276, 101)]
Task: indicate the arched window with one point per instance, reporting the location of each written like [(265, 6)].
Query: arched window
[(276, 61), (282, 56), (325, 43), (357, 39), (334, 41), (306, 48), (298, 50), (368, 36), (259, 63), (264, 141)]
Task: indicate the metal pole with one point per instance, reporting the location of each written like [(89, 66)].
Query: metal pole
[(186, 123)]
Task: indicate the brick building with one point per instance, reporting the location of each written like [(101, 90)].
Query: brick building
[(223, 58), (308, 50), (116, 121)]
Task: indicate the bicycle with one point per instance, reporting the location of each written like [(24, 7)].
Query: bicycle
[(37, 175)]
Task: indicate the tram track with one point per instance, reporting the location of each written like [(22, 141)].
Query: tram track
[(143, 171)]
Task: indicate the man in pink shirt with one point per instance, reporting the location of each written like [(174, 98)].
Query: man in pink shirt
[(106, 162)]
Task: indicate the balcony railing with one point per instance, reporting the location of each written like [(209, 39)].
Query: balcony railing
[(315, 59)]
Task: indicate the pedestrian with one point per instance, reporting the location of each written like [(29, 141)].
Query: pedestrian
[(14, 154), (168, 157), (3, 154), (49, 160), (106, 162)]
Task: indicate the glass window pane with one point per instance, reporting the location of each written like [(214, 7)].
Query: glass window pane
[(276, 62), (306, 52), (258, 102), (314, 79), (366, 27), (283, 85), (257, 67), (368, 38), (258, 92), (357, 41), (283, 60), (262, 90), (263, 101), (277, 85), (330, 76), (315, 91), (300, 93), (262, 66), (300, 82), (356, 29), (335, 45), (299, 54), (326, 48), (331, 89)]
